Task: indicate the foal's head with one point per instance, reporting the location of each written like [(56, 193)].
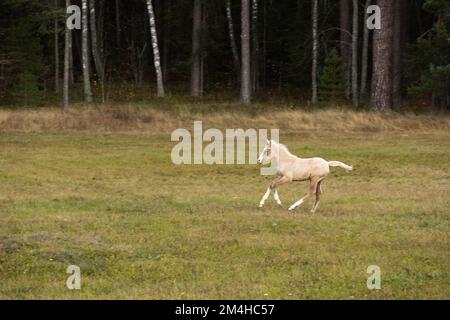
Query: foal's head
[(268, 152)]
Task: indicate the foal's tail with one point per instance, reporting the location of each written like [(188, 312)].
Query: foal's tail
[(340, 164)]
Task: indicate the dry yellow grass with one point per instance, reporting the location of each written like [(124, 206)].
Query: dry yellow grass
[(129, 118)]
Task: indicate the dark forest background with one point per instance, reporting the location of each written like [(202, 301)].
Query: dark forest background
[(412, 53)]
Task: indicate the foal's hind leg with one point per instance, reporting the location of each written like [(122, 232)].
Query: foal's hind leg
[(318, 193), (312, 191), (276, 197)]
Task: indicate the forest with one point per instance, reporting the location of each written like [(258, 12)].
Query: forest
[(309, 54)]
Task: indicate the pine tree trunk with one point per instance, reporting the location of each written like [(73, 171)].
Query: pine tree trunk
[(264, 54), (381, 93), (118, 30), (56, 50), (397, 55), (71, 65), (67, 50), (406, 21), (85, 53), (196, 49), (202, 55), (365, 52), (355, 55), (100, 23), (345, 39), (255, 51), (234, 50), (77, 45), (100, 44), (315, 49), (94, 44), (245, 53), (157, 60), (166, 39)]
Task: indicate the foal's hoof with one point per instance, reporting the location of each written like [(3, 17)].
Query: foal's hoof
[(261, 205), (290, 208)]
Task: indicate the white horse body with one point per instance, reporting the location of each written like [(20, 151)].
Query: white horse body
[(298, 169), (292, 168)]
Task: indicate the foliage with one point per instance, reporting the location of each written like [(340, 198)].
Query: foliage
[(27, 88), (24, 36), (284, 31), (435, 80), (332, 79), (429, 58)]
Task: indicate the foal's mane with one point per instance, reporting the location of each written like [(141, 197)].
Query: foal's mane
[(284, 148)]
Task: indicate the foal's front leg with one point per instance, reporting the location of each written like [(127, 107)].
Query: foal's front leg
[(276, 184), (273, 186), (265, 196)]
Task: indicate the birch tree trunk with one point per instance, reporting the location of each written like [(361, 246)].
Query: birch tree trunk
[(245, 53), (381, 93), (67, 50), (85, 53), (94, 43), (234, 50), (365, 52), (345, 39), (355, 55), (56, 50), (196, 50), (255, 52), (156, 58), (315, 49)]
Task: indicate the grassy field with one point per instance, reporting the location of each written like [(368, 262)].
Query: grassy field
[(140, 227)]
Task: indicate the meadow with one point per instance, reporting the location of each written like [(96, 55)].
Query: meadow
[(97, 189)]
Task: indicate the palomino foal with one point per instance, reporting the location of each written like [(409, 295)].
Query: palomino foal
[(292, 168)]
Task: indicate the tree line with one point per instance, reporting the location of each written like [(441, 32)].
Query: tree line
[(320, 50)]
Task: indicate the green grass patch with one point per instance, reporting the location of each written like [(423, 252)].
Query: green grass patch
[(140, 227)]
